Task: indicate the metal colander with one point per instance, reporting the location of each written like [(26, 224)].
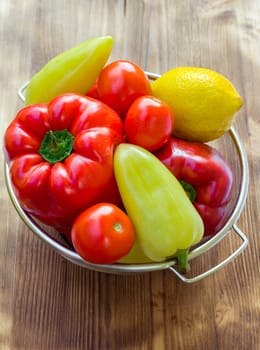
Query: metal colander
[(231, 147)]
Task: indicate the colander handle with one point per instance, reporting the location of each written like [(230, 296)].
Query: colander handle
[(22, 90), (219, 266)]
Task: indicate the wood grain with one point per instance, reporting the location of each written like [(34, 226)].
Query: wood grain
[(48, 303)]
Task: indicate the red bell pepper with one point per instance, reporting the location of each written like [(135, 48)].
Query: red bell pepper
[(206, 177), (61, 157)]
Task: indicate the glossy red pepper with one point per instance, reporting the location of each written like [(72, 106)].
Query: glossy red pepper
[(206, 177), (61, 157)]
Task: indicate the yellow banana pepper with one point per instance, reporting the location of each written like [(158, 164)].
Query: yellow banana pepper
[(74, 70), (166, 222)]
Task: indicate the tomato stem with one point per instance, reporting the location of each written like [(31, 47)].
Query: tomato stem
[(56, 145), (118, 226)]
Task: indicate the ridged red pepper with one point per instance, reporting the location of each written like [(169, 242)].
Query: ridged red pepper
[(61, 157), (206, 177)]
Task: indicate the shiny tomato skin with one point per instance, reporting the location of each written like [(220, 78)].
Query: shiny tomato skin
[(102, 234), (120, 83), (149, 123), (93, 91)]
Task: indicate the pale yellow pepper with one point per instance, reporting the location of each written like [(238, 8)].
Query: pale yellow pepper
[(165, 220), (74, 70)]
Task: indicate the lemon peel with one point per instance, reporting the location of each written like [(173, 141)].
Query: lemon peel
[(203, 101)]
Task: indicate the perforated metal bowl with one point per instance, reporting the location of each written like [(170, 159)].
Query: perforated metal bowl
[(231, 146)]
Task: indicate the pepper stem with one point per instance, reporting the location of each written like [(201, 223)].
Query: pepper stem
[(189, 189), (182, 259), (56, 145)]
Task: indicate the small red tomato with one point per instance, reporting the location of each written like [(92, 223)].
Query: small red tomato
[(93, 91), (120, 83), (102, 234), (148, 123)]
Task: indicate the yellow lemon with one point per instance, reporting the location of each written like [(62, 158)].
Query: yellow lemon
[(203, 102)]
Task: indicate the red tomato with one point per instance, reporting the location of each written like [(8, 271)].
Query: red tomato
[(120, 83), (102, 234), (93, 91), (148, 123)]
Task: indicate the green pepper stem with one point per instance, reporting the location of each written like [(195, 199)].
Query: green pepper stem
[(189, 189), (56, 145), (182, 256)]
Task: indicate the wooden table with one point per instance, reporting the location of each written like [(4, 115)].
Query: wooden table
[(49, 303)]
